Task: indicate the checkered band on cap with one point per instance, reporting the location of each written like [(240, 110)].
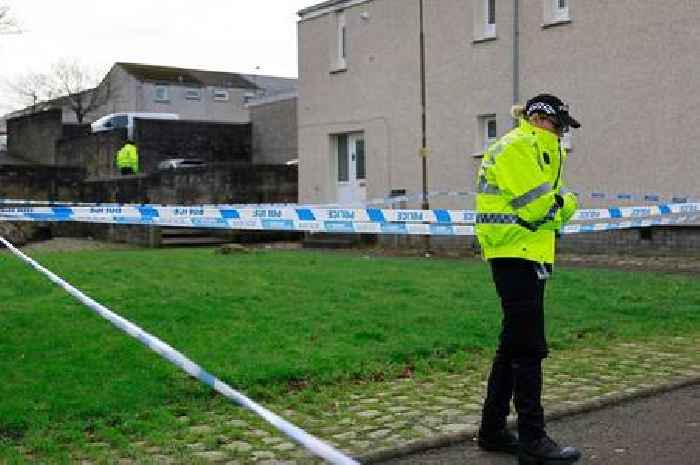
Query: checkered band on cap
[(541, 106)]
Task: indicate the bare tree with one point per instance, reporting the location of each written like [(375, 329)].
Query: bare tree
[(7, 23), (31, 89), (83, 88), (68, 84)]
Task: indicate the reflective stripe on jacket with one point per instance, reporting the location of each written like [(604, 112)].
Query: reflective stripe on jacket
[(128, 157), (518, 212)]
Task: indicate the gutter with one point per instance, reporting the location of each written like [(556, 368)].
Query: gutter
[(330, 6), (516, 51)]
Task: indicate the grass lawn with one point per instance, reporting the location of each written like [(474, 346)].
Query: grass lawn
[(268, 322)]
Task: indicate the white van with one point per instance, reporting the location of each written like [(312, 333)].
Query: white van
[(126, 120)]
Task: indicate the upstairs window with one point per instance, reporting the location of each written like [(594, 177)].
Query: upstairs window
[(193, 94), (221, 95), (490, 26), (566, 141), (341, 41), (162, 94), (484, 20), (556, 11), (561, 10)]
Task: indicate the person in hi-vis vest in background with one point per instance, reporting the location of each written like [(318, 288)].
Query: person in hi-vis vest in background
[(128, 158), (521, 205)]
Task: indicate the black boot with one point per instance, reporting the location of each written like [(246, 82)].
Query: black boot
[(544, 451), (501, 441)]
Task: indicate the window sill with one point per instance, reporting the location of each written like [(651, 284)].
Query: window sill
[(162, 101), (481, 40), (555, 23), (339, 70)]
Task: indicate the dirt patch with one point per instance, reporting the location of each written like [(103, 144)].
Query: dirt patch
[(66, 244)]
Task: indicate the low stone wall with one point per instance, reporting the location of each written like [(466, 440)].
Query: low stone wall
[(38, 182), (96, 153), (658, 240), (156, 141), (218, 183), (33, 137)]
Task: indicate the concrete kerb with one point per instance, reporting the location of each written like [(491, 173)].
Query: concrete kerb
[(468, 434)]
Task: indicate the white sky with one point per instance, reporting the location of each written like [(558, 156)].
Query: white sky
[(222, 35)]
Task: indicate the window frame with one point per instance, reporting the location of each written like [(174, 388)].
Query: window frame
[(193, 93), (555, 14), (489, 16), (220, 95), (165, 89), (341, 42), (484, 123), (560, 13), (566, 141), (342, 159)]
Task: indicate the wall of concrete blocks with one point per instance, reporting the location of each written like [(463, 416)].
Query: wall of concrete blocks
[(671, 240)]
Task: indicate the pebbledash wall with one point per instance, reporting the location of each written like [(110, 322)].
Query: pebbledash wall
[(622, 65)]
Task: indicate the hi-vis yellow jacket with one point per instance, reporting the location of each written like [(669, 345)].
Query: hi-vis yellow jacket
[(128, 157), (518, 203)]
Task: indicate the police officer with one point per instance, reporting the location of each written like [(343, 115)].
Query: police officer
[(128, 158), (521, 205)]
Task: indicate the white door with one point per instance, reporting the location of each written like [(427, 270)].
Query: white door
[(352, 172)]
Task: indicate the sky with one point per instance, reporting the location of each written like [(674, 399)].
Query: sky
[(247, 36)]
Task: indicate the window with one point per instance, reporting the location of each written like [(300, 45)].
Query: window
[(361, 169), (193, 94), (162, 93), (484, 20), (220, 95), (343, 165), (248, 97), (490, 29), (342, 38), (566, 140), (120, 121), (556, 11), (561, 10), (488, 130)]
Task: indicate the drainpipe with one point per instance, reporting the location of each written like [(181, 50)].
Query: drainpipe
[(424, 137), (516, 51)]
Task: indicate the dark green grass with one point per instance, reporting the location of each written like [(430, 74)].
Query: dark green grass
[(265, 320)]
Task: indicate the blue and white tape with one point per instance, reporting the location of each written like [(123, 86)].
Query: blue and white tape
[(317, 219), (311, 443), (649, 198)]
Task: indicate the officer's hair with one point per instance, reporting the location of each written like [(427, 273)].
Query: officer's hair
[(518, 111)]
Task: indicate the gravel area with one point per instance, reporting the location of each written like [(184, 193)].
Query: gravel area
[(68, 244)]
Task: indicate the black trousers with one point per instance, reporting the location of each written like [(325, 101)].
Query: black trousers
[(126, 170), (517, 368)]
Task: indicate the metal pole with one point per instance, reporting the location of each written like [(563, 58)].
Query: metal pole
[(424, 137), (516, 52)]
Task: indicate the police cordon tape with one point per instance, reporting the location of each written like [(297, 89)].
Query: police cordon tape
[(652, 198), (336, 220), (311, 443)]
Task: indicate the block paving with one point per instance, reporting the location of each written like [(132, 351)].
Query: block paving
[(380, 416)]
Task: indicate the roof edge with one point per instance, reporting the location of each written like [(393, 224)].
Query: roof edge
[(326, 7)]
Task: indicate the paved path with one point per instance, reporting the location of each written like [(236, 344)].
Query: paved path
[(380, 416), (663, 430)]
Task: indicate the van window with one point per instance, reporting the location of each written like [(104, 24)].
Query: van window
[(120, 121)]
